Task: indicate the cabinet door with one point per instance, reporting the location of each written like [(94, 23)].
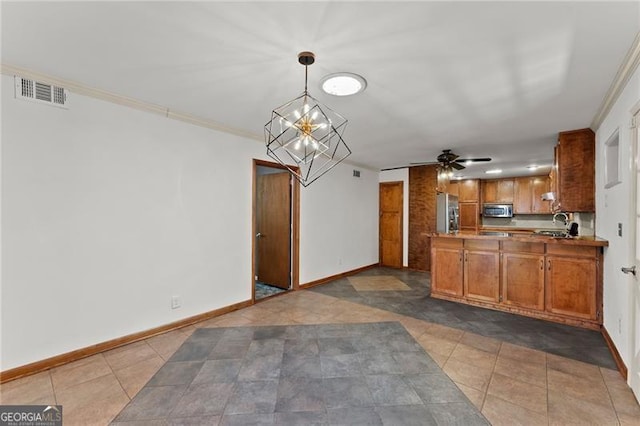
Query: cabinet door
[(469, 215), (571, 286), (482, 275), (447, 271), (576, 170), (489, 191), (539, 185), (504, 191), (522, 196), (452, 188), (523, 280), (468, 191)]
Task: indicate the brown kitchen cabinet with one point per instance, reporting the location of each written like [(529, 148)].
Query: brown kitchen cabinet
[(575, 172), (469, 216), (469, 191), (482, 270), (571, 278), (447, 266), (523, 275), (498, 191), (541, 278), (452, 188), (528, 195)]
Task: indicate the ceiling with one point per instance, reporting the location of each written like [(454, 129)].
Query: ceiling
[(485, 79)]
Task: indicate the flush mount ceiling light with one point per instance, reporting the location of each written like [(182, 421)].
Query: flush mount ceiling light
[(494, 171), (532, 167), (343, 84), (307, 133)]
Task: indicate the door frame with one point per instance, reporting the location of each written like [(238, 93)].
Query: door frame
[(295, 225), (380, 185), (633, 372)]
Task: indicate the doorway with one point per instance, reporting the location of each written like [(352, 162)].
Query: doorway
[(275, 230), (390, 232)]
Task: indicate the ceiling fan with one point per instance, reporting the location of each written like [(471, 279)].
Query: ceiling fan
[(447, 160)]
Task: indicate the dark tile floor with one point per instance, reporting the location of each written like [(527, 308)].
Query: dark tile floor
[(265, 290), (356, 374), (571, 342)]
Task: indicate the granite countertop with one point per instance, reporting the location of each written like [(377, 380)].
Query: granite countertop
[(525, 237)]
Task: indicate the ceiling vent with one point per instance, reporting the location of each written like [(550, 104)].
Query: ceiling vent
[(36, 91)]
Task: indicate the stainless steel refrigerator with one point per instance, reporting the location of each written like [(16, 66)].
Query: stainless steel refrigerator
[(447, 213)]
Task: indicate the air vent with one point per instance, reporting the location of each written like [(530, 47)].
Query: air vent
[(36, 91)]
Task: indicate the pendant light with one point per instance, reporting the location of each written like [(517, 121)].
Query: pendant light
[(304, 135)]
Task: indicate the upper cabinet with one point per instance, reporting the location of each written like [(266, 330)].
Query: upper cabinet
[(574, 176), (468, 191), (498, 191), (528, 195)]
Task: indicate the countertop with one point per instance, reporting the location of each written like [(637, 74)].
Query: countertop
[(524, 237)]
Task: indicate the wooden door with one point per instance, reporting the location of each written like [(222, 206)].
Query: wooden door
[(447, 271), (273, 229), (523, 280), (539, 185), (489, 191), (633, 280), (469, 215), (390, 232), (522, 195), (468, 191), (482, 275), (571, 286), (504, 191)]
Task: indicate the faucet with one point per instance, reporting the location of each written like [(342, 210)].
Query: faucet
[(566, 218)]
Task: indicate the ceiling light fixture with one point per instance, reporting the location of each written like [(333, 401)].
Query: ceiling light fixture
[(307, 133), (493, 171), (343, 84), (532, 167)]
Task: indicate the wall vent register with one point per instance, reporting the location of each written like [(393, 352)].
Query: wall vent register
[(36, 91)]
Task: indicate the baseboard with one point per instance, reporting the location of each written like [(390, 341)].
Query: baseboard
[(614, 351), (337, 276), (46, 364)]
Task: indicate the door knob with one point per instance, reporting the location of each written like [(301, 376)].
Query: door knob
[(258, 235), (630, 270)]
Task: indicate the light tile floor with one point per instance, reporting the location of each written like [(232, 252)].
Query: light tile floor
[(510, 384)]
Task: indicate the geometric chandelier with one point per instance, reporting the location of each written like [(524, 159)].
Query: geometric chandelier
[(306, 133)]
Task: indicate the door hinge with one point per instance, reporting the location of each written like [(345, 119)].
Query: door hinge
[(500, 298), (598, 314), (633, 123)]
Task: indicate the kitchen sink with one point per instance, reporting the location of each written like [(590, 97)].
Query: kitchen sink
[(495, 233), (557, 234)]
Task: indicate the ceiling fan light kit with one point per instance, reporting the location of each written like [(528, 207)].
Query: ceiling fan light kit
[(306, 133)]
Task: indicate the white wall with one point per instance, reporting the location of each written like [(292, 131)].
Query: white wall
[(401, 175), (108, 211), (339, 222), (613, 207)]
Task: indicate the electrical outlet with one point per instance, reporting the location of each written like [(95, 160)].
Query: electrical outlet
[(175, 302), (619, 230)]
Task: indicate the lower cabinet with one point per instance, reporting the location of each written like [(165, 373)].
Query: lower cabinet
[(446, 267), (544, 280), (523, 280), (482, 271)]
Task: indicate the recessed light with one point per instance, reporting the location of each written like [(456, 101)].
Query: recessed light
[(532, 167), (494, 171), (343, 84)]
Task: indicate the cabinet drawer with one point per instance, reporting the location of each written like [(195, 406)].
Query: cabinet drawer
[(451, 243), (570, 250), (493, 245), (523, 247)]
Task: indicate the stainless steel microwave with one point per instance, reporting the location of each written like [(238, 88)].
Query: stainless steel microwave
[(497, 210)]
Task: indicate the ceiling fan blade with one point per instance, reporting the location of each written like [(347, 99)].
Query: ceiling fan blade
[(457, 166), (424, 163), (473, 160)]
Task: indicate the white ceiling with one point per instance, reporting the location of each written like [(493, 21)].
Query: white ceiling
[(485, 79)]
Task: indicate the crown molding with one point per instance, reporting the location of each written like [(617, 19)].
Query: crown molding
[(626, 70), (104, 95)]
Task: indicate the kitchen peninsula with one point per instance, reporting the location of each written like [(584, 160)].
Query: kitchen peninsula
[(556, 279)]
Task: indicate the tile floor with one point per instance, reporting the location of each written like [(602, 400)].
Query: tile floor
[(508, 382)]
